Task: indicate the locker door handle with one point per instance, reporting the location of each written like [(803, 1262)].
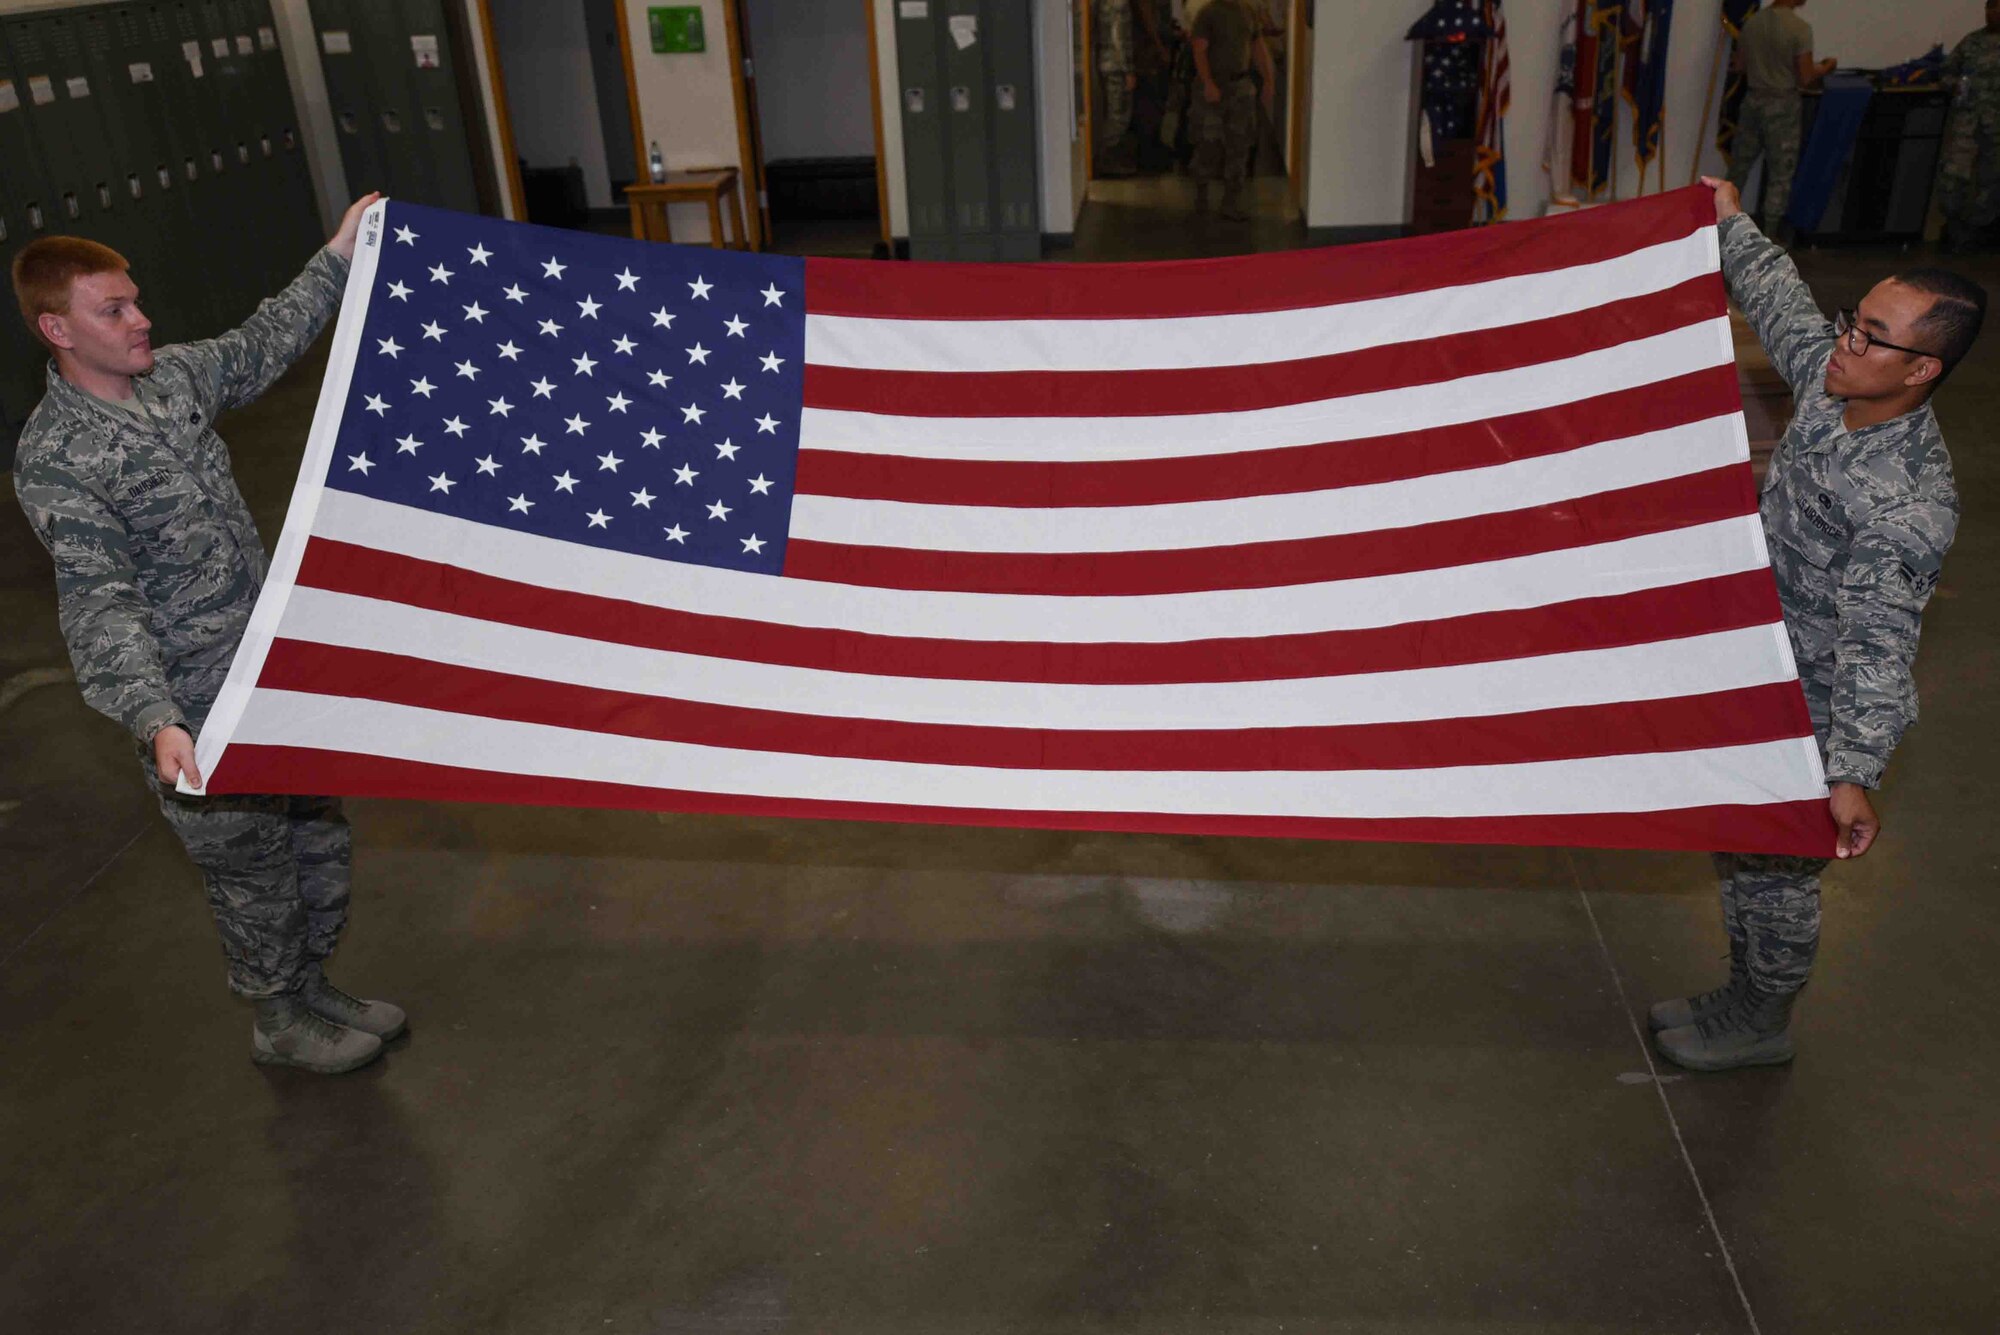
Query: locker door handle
[(69, 203), (103, 195), (35, 216)]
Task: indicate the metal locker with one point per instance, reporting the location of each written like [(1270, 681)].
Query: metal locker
[(229, 73), (349, 97), (210, 297), (220, 192), (1015, 149), (967, 68), (926, 157), (294, 217), (63, 120), (23, 168), (415, 79), (159, 228), (22, 359)]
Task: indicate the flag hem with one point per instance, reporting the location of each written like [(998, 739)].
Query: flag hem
[(248, 663)]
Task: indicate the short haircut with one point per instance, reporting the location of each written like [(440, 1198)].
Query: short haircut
[(1958, 308), (45, 268)]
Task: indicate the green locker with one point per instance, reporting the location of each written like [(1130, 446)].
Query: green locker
[(157, 221), (22, 359), (23, 169), (220, 192), (349, 97), (230, 75), (295, 225), (968, 98), (63, 121), (171, 94)]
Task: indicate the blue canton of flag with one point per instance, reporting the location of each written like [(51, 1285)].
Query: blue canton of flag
[(643, 398)]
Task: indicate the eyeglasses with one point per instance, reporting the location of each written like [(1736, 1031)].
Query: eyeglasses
[(1846, 326)]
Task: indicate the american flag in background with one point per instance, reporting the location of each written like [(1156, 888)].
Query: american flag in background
[(1451, 539)]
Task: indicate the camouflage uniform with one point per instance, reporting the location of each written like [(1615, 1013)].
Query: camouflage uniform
[(1858, 524), (1224, 134), (1969, 179), (1111, 34), (1768, 127), (157, 565)]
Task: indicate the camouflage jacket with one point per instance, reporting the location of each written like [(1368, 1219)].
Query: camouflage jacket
[(157, 562), (1111, 34), (1858, 523), (1972, 72)]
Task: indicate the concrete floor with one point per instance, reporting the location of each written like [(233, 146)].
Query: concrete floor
[(696, 1074)]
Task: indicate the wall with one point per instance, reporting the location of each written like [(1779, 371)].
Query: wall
[(688, 103), (544, 50), (1360, 143), (807, 53)]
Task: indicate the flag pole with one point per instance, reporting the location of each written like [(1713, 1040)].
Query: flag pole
[(1707, 105)]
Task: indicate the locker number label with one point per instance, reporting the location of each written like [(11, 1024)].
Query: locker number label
[(78, 87), (141, 71), (336, 42), (41, 89), (267, 40), (219, 45), (10, 97), (914, 9), (245, 44), (424, 46)]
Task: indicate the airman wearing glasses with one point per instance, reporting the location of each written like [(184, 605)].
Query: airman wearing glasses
[(1859, 509)]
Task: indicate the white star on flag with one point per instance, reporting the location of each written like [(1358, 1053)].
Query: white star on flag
[(767, 425), (735, 325), (642, 497), (476, 313), (389, 347), (434, 331), (406, 236), (700, 287), (422, 385), (533, 444), (577, 426), (500, 406), (585, 364), (509, 351), (440, 274), (663, 319), (589, 306), (753, 543), (553, 268), (487, 466), (599, 519), (520, 504), (514, 292), (480, 254), (627, 280), (359, 463), (618, 403), (407, 444), (455, 426), (718, 511), (378, 406), (443, 484), (399, 292), (544, 388), (772, 296), (564, 482), (676, 534)]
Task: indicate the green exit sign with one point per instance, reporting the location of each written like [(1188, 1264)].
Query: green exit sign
[(676, 28)]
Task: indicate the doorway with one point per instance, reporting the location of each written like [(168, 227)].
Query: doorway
[(1138, 153), (811, 123), (565, 106)]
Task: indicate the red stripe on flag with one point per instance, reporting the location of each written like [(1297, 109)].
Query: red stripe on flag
[(1285, 281), (1703, 607), (1719, 493), (1221, 389), (1349, 463), (1800, 828), (1727, 718)]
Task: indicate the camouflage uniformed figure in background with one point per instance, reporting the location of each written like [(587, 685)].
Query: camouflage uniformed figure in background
[(157, 566), (1859, 509), (1776, 51), (1227, 37), (1969, 178), (1118, 76)]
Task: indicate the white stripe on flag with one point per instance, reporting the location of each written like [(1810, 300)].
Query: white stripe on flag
[(1249, 339), (1475, 398), (1653, 561), (1435, 498), (1725, 660), (1761, 773)]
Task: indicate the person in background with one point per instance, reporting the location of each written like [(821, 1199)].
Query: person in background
[(1969, 179), (157, 567), (1117, 78), (1859, 509), (1227, 39), (1778, 66)]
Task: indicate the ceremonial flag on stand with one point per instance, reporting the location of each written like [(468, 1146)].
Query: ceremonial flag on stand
[(1496, 95), (1560, 136), (1735, 13), (1447, 539), (1646, 49), (1595, 101)]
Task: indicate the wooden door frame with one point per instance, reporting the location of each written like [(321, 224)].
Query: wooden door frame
[(875, 111), (749, 132), (1295, 114), (502, 113)]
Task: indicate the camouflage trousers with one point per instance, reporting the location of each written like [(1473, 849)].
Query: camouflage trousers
[(1114, 109), (1768, 128), (1224, 133), (1969, 175), (1770, 909), (276, 873)]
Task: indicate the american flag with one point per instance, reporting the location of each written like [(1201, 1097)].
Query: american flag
[(1451, 539)]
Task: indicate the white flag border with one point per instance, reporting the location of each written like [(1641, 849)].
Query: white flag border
[(248, 664)]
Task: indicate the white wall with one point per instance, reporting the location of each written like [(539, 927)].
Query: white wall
[(1359, 158), (688, 103), (551, 91), (807, 54)]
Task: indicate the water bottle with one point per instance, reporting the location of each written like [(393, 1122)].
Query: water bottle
[(656, 164)]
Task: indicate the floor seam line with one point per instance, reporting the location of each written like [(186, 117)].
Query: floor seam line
[(72, 897), (1666, 1104)]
